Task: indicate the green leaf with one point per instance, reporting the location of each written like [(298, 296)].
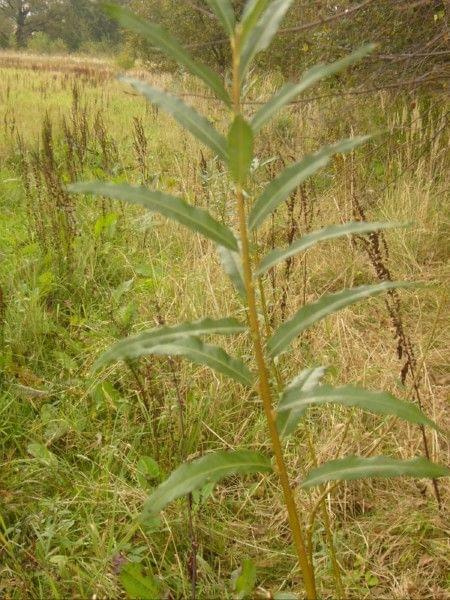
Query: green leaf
[(224, 12), (354, 467), (240, 149), (312, 313), (179, 210), (214, 357), (195, 350), (163, 40), (371, 579), (280, 188), (381, 403), (232, 265), (56, 426), (322, 235), (208, 469), (261, 35), (42, 453), (184, 114), (289, 91), (307, 380), (137, 585), (147, 469), (140, 344), (250, 16), (245, 580)]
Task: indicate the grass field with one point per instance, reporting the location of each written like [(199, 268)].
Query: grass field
[(76, 273)]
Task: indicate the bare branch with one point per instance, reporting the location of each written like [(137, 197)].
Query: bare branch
[(341, 15)]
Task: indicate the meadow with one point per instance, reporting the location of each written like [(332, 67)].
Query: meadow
[(81, 451)]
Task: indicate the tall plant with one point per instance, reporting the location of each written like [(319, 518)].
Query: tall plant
[(252, 34)]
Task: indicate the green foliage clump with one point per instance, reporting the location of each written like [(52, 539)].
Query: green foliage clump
[(41, 43), (125, 59)]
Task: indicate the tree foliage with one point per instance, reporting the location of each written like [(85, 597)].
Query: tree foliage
[(72, 21), (411, 35)]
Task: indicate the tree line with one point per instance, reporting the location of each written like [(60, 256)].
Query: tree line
[(73, 22), (412, 34)]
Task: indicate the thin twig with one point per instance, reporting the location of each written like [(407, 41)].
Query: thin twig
[(341, 15)]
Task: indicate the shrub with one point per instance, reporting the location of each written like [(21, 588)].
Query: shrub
[(125, 59), (97, 48), (41, 43)]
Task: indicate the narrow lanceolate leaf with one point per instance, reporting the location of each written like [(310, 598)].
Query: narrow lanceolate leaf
[(214, 357), (354, 467), (307, 380), (250, 16), (289, 91), (184, 114), (381, 403), (240, 149), (208, 469), (312, 313), (179, 210), (311, 239), (261, 35), (139, 345), (224, 12), (279, 189), (232, 265), (163, 40)]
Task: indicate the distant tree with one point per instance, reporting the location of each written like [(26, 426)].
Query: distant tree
[(6, 31), (78, 21), (26, 16), (73, 21)]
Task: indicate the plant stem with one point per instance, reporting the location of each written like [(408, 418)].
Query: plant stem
[(264, 384), (266, 397), (325, 516), (148, 403)]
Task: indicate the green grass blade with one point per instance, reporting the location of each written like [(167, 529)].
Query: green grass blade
[(225, 13), (184, 114), (163, 40), (311, 239), (279, 189), (240, 149), (307, 380), (177, 209), (208, 469), (289, 91), (262, 33), (232, 265), (381, 403), (354, 467), (312, 313), (139, 345)]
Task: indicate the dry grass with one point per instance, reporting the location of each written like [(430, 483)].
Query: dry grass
[(81, 66), (66, 524)]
